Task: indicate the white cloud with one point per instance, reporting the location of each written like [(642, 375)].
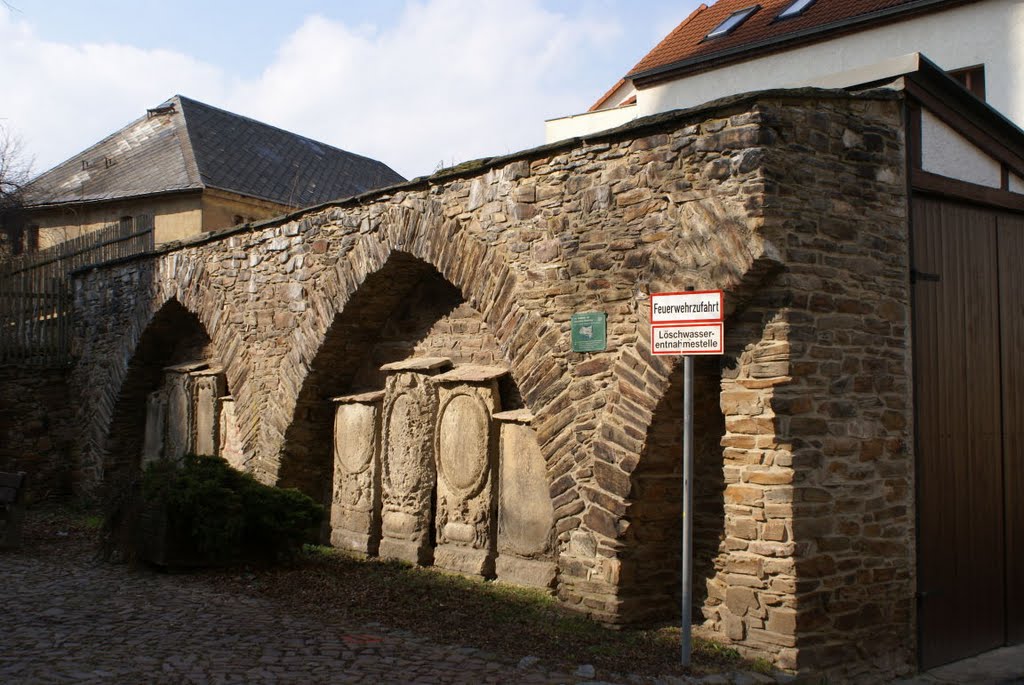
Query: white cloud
[(448, 81), (61, 98)]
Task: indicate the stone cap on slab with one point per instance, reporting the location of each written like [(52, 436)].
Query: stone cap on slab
[(188, 367), (471, 373), (515, 416), (211, 371), (370, 397), (418, 364)]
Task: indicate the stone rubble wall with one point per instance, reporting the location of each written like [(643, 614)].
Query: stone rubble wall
[(36, 430), (792, 202)]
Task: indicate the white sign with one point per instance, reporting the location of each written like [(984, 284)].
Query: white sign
[(687, 338), (688, 307)]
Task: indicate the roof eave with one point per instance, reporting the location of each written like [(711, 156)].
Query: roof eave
[(932, 79), (815, 34), (119, 198)]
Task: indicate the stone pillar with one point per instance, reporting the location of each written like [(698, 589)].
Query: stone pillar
[(408, 474), (156, 418), (230, 446), (467, 453), (356, 498), (525, 513), (208, 385)]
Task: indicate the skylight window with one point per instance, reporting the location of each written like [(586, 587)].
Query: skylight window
[(732, 21), (795, 8)]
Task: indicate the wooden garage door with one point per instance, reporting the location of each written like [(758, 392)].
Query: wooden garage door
[(968, 351)]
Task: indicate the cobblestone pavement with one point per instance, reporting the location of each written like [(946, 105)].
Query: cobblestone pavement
[(73, 620), (70, 619)]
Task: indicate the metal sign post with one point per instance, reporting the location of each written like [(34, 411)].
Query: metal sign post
[(685, 638), (687, 323)]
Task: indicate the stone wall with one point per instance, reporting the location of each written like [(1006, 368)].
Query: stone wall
[(839, 499), (792, 202), (36, 434)]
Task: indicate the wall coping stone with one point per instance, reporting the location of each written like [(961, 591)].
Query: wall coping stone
[(418, 364), (370, 397), (471, 373), (515, 416), (188, 367)]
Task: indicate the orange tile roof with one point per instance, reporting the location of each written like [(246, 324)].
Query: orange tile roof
[(686, 42), (604, 98)]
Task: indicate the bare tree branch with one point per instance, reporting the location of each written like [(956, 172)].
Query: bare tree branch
[(15, 168), (15, 173)]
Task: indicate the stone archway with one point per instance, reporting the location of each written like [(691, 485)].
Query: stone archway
[(404, 324), (407, 308), (174, 335), (650, 588), (404, 309)]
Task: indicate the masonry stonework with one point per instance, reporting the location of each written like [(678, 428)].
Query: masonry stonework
[(36, 430), (793, 202)]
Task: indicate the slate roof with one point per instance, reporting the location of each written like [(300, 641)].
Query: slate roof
[(187, 145), (686, 50)]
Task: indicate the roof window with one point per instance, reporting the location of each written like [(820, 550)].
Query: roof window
[(796, 8), (732, 21)]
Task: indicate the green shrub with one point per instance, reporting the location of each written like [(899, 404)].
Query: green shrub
[(203, 512)]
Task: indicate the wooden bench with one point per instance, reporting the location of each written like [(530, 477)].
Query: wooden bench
[(12, 508)]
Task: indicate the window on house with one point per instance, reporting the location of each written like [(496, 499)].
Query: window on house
[(795, 9), (127, 224), (971, 78), (732, 21)]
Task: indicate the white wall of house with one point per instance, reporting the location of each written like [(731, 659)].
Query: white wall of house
[(1016, 184), (990, 32), (947, 153), (590, 122)]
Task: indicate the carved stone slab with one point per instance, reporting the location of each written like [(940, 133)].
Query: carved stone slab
[(466, 450), (178, 435), (207, 387), (408, 473), (356, 495), (230, 441), (153, 442), (525, 511), (184, 414)]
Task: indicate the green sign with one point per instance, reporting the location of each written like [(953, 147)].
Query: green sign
[(589, 332)]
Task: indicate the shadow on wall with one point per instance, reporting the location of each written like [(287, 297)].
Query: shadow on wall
[(651, 563)]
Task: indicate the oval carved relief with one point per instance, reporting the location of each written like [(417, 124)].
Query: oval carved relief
[(463, 443), (354, 437)]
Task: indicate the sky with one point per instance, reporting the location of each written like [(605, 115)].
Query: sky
[(417, 84)]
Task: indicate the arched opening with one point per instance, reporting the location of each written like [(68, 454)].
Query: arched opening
[(651, 561), (174, 336), (406, 309)]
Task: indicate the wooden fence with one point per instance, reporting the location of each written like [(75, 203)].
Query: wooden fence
[(35, 293)]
